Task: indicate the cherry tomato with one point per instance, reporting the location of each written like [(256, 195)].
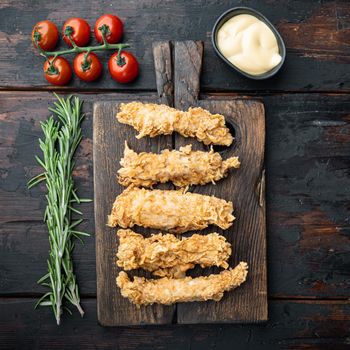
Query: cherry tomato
[(114, 28), (90, 70), (123, 69), (79, 30), (59, 73), (46, 35)]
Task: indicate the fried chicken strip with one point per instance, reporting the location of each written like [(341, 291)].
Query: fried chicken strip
[(168, 291), (184, 167), (174, 211), (153, 119), (166, 255)]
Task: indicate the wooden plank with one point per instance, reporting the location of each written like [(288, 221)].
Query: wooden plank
[(187, 70), (314, 325), (245, 187), (308, 184), (317, 59), (109, 137), (164, 72), (108, 146), (308, 191)]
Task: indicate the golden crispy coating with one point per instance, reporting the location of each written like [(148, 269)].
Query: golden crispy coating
[(184, 167), (167, 291), (153, 119), (166, 255), (174, 211)]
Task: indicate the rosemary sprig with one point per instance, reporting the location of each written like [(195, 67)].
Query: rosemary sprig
[(61, 139)]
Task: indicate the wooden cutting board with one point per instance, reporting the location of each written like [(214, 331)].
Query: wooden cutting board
[(178, 67)]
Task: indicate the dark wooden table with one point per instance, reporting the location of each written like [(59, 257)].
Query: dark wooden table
[(307, 167)]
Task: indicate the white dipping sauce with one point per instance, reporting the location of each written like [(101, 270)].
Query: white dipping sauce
[(249, 44)]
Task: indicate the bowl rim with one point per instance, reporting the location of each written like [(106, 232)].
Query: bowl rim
[(247, 10)]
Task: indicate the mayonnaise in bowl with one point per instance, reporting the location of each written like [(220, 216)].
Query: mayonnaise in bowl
[(249, 44)]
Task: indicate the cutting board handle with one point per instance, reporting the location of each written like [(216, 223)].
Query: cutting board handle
[(163, 66), (188, 57), (178, 67)]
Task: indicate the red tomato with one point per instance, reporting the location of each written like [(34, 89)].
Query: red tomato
[(125, 69), (114, 28), (90, 70), (46, 35), (80, 31), (59, 73)]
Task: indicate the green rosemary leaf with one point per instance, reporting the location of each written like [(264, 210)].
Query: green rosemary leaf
[(44, 278), (36, 180), (75, 223), (68, 310), (45, 303), (75, 210), (85, 200), (40, 161), (80, 233), (77, 199), (42, 299)]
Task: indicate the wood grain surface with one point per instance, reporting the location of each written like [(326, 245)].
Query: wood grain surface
[(163, 68), (304, 324), (308, 187), (307, 178), (245, 187), (316, 34), (307, 190)]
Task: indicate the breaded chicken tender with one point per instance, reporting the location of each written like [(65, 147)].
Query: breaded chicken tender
[(184, 167), (166, 255), (153, 119), (174, 211), (142, 291)]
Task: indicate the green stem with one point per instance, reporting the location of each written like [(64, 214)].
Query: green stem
[(120, 59), (79, 49), (86, 64)]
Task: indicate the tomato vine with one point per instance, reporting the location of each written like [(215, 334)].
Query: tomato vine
[(78, 49)]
